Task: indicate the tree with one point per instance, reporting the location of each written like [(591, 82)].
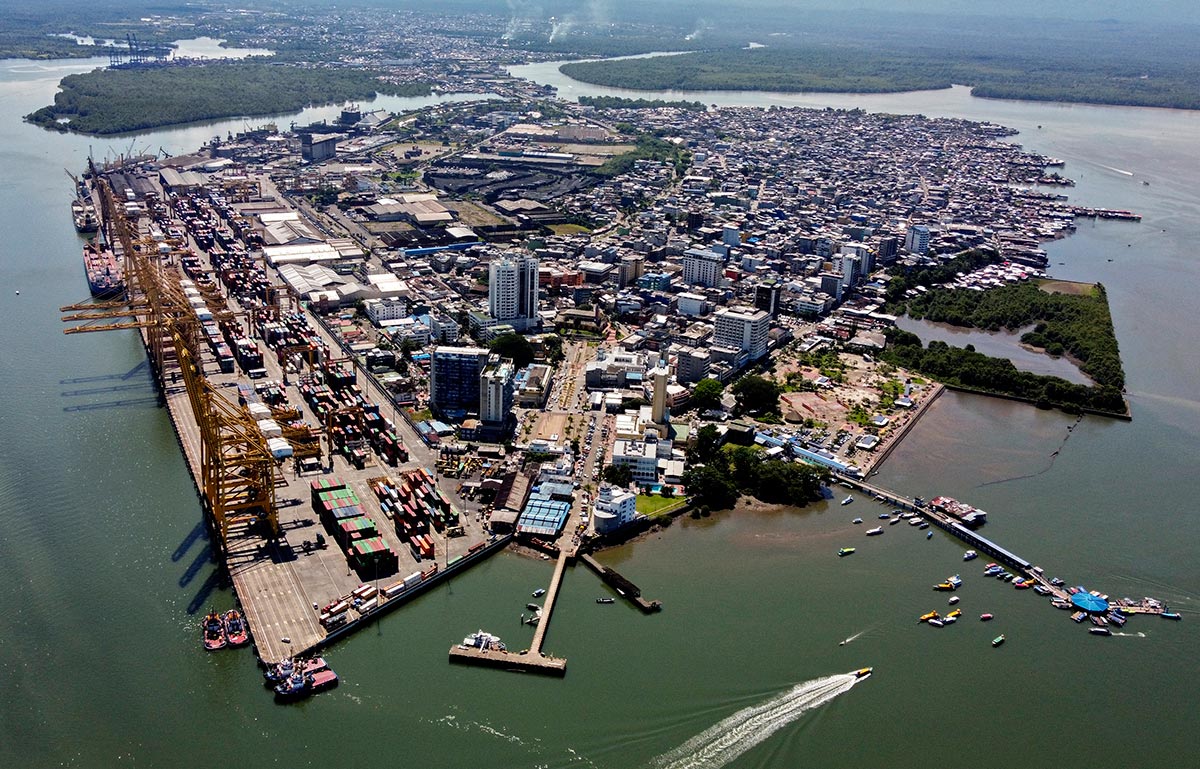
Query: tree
[(707, 394), (553, 345), (756, 395), (618, 475), (707, 447), (513, 346), (710, 486)]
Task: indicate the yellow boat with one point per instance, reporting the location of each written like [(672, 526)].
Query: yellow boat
[(955, 613), (927, 617), (863, 672), (943, 586)]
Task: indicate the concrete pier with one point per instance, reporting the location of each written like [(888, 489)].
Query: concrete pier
[(623, 586), (531, 660)]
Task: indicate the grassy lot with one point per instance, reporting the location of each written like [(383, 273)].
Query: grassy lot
[(652, 504), (1066, 287), (568, 229)]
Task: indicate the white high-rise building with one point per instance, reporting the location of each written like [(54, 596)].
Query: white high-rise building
[(496, 390), (614, 508), (513, 291), (744, 329), (702, 267), (917, 239)]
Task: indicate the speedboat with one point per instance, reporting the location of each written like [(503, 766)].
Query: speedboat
[(985, 617), (894, 521), (937, 623), (533, 607), (849, 498), (863, 672), (1099, 631), (235, 628), (541, 591), (1057, 582), (845, 551), (929, 535), (943, 586), (998, 640), (1171, 615), (970, 555), (605, 600), (949, 619), (875, 531), (953, 600), (956, 580), (924, 525), (954, 614), (213, 632), (1022, 585), (856, 520), (884, 516), (927, 617)]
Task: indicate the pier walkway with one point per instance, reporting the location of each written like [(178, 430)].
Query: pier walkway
[(623, 586), (531, 660)]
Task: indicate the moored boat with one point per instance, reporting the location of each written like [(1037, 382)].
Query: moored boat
[(541, 591), (236, 630), (985, 617), (280, 672), (970, 555), (875, 531), (213, 632), (105, 274), (1099, 631), (954, 614), (937, 623), (943, 586), (998, 640), (928, 616), (849, 498), (1171, 615), (845, 551), (856, 520)]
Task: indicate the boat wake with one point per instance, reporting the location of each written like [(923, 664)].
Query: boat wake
[(722, 743), (1130, 635), (1118, 170)]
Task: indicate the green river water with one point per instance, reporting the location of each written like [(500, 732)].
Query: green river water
[(104, 566)]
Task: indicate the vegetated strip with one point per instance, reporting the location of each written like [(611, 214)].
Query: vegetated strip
[(621, 102), (648, 147), (112, 101), (862, 69), (1077, 324)]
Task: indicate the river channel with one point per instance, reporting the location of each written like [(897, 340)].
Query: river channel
[(104, 566)]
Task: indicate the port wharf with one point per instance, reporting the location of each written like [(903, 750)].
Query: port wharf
[(623, 586), (1023, 567), (279, 585)]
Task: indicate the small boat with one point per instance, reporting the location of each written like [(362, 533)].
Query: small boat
[(533, 607), (1099, 631), (1022, 585), (946, 586), (280, 672), (875, 531), (319, 682), (937, 622), (849, 498), (856, 520), (605, 600), (1041, 590), (884, 516), (985, 617), (1171, 615), (953, 600), (1057, 582), (954, 614), (992, 565), (1117, 620), (992, 571), (956, 581), (924, 525), (236, 630), (863, 672), (915, 521), (998, 640), (845, 551), (929, 535), (927, 617), (213, 632), (970, 555), (949, 619), (1079, 616), (541, 591), (894, 521), (293, 688)]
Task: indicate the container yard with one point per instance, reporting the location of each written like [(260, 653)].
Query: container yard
[(322, 515)]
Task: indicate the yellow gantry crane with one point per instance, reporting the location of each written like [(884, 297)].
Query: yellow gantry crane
[(237, 470)]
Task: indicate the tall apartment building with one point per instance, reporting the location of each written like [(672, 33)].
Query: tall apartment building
[(496, 390), (701, 267), (742, 329), (917, 239), (513, 291), (454, 379), (766, 297)]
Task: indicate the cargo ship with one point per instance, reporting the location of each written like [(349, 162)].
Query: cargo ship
[(84, 216), (105, 275)]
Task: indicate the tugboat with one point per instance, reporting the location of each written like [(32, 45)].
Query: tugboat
[(235, 628), (295, 687), (998, 640), (277, 674), (213, 632)]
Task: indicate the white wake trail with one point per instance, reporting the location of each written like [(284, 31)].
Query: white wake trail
[(722, 743)]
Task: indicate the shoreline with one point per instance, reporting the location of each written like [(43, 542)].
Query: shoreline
[(895, 436)]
